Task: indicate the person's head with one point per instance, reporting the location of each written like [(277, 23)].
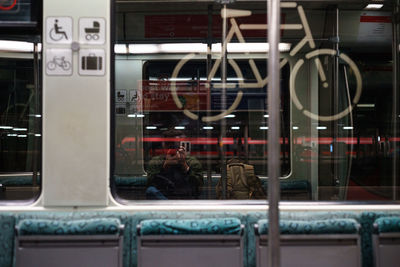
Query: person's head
[(172, 139)]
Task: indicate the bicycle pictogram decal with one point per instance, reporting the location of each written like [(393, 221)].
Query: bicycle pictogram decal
[(59, 62), (236, 30)]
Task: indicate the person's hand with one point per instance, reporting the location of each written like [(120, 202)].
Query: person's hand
[(182, 158)]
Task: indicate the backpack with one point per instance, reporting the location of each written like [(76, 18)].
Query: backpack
[(242, 183)]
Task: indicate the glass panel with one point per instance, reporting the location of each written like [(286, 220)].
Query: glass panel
[(339, 115), (343, 95), (170, 93), (20, 101), (12, 11)]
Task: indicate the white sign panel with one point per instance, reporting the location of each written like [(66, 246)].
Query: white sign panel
[(59, 30), (375, 27), (59, 62), (120, 96), (92, 30), (92, 62), (134, 96)]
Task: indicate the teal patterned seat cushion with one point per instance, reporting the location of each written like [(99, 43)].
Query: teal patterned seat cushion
[(332, 226), (254, 217), (124, 217), (130, 181), (7, 222), (212, 226), (101, 226), (19, 180), (367, 220), (388, 224)]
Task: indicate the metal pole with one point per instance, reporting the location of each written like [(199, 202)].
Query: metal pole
[(208, 68), (223, 102), (273, 11), (36, 128), (395, 47), (336, 152)]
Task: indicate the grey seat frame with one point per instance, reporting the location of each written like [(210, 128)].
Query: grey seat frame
[(69, 250), (306, 250), (386, 248), (190, 250)]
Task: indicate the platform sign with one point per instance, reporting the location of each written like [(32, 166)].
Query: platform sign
[(92, 30), (121, 96), (59, 30), (92, 62), (58, 62), (134, 95)]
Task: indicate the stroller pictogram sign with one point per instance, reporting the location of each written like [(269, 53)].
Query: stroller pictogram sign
[(92, 30)]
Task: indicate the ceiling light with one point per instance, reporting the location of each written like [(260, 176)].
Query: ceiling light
[(263, 127), (151, 127), (235, 128), (16, 46), (249, 47), (121, 49), (167, 48), (208, 127), (374, 6), (197, 48), (180, 127), (365, 105), (6, 127)]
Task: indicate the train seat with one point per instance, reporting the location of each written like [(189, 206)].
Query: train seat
[(312, 243), (128, 186), (190, 242), (386, 241), (367, 220), (91, 242)]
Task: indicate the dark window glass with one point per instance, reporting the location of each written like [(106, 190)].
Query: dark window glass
[(338, 111)]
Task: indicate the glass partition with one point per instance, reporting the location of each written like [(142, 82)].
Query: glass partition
[(20, 101), (190, 112)]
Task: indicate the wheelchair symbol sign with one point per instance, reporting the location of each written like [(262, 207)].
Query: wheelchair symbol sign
[(59, 30)]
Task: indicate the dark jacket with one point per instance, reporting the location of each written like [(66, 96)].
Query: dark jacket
[(173, 182)]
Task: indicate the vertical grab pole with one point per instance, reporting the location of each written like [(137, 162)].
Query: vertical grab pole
[(395, 47), (223, 102), (36, 79), (273, 104)]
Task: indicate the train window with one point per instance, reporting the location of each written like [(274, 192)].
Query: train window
[(190, 113), (20, 101)]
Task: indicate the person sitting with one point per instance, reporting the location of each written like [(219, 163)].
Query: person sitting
[(174, 175)]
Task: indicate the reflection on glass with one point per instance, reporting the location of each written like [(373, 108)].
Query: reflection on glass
[(338, 121)]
